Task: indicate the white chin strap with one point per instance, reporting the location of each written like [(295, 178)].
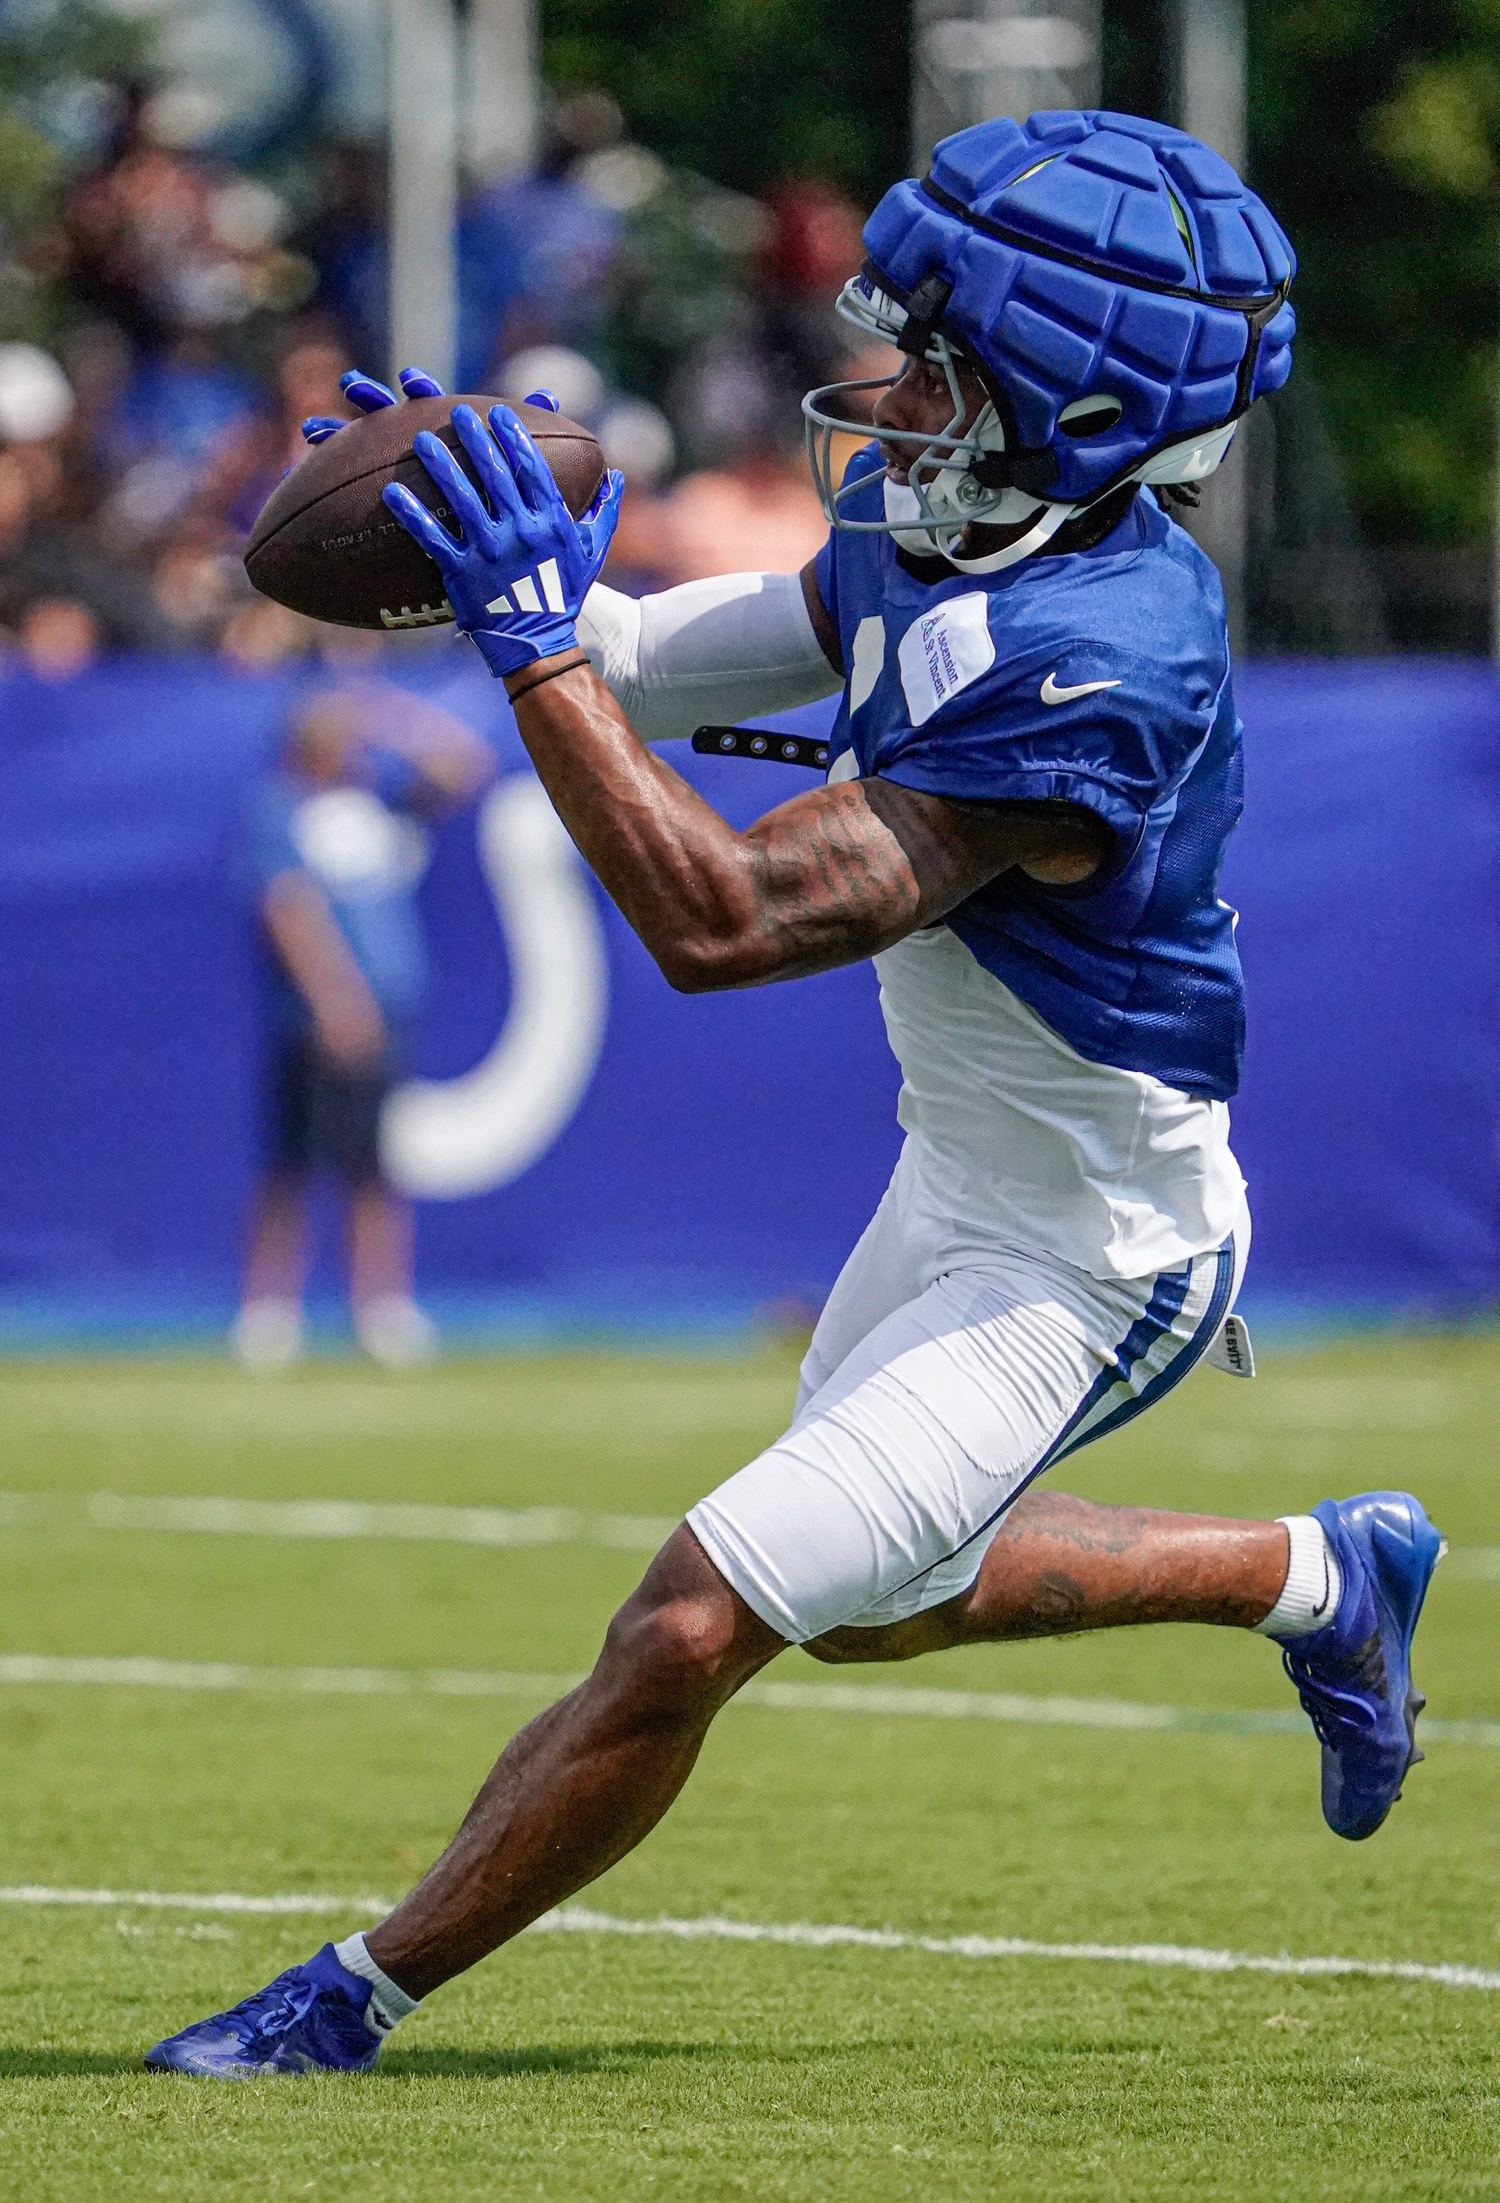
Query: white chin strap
[(1191, 461), (904, 512)]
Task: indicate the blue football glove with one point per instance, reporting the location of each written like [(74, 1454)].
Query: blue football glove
[(369, 396), (522, 566)]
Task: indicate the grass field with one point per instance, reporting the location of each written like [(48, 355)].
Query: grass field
[(599, 2065)]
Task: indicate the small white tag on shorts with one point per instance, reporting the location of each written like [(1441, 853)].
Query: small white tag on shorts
[(1231, 1350), (943, 652)]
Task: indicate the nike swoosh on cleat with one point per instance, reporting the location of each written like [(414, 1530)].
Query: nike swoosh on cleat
[(1052, 694), (1322, 1605)]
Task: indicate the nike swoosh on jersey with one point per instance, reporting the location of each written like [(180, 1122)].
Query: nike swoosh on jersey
[(1052, 694)]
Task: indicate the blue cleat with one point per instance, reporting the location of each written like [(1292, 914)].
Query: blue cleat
[(311, 2019), (1354, 1676)]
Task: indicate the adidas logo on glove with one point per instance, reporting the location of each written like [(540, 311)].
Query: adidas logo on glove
[(524, 592)]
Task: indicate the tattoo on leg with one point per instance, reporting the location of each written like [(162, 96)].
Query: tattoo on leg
[(1058, 1603), (1076, 1522)]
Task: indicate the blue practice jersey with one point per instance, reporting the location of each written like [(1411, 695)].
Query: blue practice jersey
[(1101, 678)]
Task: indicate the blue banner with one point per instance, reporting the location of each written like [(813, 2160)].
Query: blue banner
[(589, 1148)]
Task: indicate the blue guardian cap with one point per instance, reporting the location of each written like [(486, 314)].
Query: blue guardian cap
[(1121, 295)]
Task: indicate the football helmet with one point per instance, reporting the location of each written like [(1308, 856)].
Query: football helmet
[(1121, 296)]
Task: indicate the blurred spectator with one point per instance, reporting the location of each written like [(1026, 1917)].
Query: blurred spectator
[(535, 252), (636, 437), (170, 425), (574, 381), (200, 584), (165, 242), (59, 638), (680, 320), (759, 515), (258, 636), (684, 279), (344, 240), (250, 464), (335, 853), (813, 248), (36, 398), (61, 593)]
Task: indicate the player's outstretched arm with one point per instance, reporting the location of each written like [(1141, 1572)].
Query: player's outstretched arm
[(833, 876), (825, 880), (720, 649)]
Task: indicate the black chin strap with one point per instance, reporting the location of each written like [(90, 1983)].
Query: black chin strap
[(1031, 472)]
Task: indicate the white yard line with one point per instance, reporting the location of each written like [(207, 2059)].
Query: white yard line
[(163, 1900), (801, 1935), (577, 1919), (340, 1518), (222, 1675), (18, 1668)]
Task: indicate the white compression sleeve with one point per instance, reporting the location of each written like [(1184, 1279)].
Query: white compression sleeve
[(715, 650)]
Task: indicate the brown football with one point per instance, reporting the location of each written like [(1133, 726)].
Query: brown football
[(325, 545)]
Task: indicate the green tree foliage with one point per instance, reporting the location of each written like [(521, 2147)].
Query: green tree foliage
[(748, 90), (52, 55), (1375, 128)]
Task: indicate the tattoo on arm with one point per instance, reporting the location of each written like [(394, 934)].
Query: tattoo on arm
[(831, 877)]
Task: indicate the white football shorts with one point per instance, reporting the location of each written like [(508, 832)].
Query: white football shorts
[(929, 1403)]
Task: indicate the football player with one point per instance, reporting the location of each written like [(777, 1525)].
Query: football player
[(1035, 769)]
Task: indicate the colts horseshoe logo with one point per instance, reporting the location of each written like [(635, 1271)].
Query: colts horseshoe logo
[(447, 1139)]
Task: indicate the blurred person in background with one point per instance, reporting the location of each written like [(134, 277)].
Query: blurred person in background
[(335, 849), (309, 359), (635, 437), (179, 263), (740, 393), (59, 638), (163, 240), (811, 250), (535, 252), (63, 597), (757, 509), (637, 441), (199, 581), (258, 636), (344, 241)]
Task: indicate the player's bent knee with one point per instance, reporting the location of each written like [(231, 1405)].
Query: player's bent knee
[(684, 1636)]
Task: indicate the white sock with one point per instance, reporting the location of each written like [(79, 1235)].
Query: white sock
[(388, 2005), (1314, 1583)]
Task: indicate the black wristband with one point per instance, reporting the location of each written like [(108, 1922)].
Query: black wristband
[(572, 666)]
